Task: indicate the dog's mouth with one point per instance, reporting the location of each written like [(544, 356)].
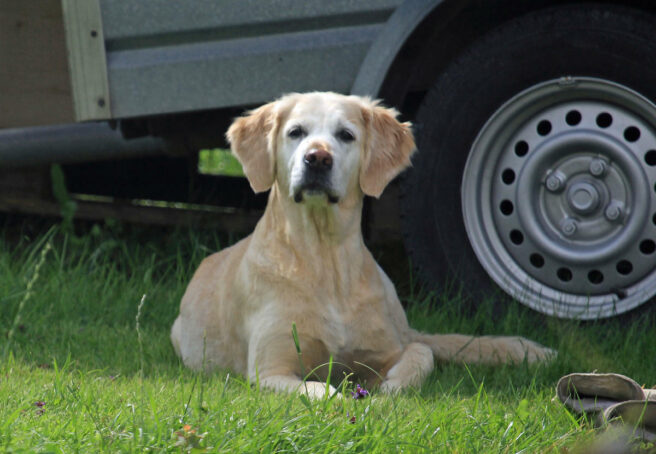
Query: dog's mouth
[(312, 190)]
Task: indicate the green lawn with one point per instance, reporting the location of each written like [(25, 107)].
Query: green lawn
[(77, 375)]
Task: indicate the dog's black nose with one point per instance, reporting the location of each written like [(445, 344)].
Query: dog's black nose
[(318, 159)]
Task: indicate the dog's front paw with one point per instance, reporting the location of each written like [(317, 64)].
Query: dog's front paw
[(316, 390), (391, 386)]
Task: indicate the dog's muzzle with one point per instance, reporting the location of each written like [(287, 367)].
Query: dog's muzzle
[(317, 165)]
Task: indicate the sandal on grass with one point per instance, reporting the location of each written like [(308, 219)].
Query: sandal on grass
[(592, 394), (611, 399), (638, 414)]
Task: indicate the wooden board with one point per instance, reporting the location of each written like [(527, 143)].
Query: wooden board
[(34, 75), (240, 223), (86, 59), (28, 190)]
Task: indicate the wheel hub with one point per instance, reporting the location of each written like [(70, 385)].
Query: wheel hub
[(583, 198), (561, 217)]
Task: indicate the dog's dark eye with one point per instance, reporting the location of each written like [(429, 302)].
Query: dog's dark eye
[(296, 132), (345, 135)]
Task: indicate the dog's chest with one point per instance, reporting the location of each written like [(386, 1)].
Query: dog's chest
[(359, 345), (352, 333)]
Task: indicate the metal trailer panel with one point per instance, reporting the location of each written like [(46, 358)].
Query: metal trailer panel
[(165, 57), (233, 73), (149, 23)]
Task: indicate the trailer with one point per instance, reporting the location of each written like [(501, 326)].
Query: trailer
[(535, 124)]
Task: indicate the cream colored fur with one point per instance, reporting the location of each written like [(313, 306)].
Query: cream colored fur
[(306, 262)]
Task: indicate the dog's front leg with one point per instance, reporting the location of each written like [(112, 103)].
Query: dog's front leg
[(414, 365), (274, 362)]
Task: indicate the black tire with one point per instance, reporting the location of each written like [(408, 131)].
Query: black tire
[(601, 41)]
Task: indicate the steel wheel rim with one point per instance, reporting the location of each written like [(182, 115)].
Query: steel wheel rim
[(558, 198)]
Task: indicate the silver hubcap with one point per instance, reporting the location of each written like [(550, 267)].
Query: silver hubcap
[(558, 198)]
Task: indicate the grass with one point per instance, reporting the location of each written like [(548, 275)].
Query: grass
[(87, 365), (219, 162)]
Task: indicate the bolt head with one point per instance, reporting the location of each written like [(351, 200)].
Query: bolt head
[(568, 226), (598, 167), (555, 182), (613, 212)]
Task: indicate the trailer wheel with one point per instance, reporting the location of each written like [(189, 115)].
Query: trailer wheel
[(537, 164)]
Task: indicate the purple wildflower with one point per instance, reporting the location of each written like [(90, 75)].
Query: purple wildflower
[(351, 418), (40, 404), (360, 392)]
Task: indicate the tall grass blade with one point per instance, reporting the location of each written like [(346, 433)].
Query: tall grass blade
[(26, 297)]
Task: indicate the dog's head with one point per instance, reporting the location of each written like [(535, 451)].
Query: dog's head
[(321, 146)]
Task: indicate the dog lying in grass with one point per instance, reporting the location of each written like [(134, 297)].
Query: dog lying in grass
[(306, 262)]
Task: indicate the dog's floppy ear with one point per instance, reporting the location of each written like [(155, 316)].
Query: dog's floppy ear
[(387, 148), (252, 140)]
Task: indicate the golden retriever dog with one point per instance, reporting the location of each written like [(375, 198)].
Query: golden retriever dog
[(306, 262)]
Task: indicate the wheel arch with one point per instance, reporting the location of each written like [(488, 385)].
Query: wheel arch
[(423, 36), (405, 22)]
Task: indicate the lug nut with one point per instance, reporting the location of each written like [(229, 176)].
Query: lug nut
[(555, 181), (598, 167), (568, 226), (613, 211)]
